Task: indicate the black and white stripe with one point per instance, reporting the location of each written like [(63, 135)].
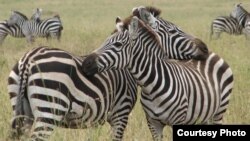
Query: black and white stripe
[(173, 92), (51, 27), (6, 30), (47, 88), (177, 44)]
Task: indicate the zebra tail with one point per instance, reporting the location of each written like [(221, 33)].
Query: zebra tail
[(23, 111)]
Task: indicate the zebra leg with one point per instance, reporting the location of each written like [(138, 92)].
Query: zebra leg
[(46, 119), (156, 128), (216, 35), (2, 37), (118, 125), (30, 39)]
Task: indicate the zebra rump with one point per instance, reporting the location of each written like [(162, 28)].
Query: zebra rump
[(47, 88)]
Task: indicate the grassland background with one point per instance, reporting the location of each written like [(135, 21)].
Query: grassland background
[(88, 22)]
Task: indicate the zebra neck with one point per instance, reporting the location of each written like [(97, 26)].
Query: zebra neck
[(145, 72)]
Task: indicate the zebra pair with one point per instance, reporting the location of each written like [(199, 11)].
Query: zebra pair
[(173, 92), (14, 30), (40, 92), (18, 25), (237, 23)]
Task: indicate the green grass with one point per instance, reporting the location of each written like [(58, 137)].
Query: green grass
[(88, 23)]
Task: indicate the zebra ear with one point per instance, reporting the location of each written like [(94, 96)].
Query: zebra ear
[(12, 12), (133, 27), (118, 19), (119, 24), (147, 17)]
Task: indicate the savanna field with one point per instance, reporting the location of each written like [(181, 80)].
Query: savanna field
[(86, 24)]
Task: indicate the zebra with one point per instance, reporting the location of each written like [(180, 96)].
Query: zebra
[(177, 44), (51, 27), (212, 60), (37, 15), (225, 24), (48, 88), (173, 91), (15, 30), (243, 18)]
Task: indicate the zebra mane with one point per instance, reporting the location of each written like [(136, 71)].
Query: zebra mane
[(154, 11), (146, 29), (21, 14), (57, 16)]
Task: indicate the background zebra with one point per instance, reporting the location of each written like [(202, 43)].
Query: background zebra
[(51, 27), (243, 18), (173, 92), (15, 30), (47, 88), (226, 24)]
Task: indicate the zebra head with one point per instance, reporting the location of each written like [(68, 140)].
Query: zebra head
[(16, 18), (36, 15), (240, 14), (176, 43), (123, 49), (110, 52)]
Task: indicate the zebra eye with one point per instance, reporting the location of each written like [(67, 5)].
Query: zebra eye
[(118, 44)]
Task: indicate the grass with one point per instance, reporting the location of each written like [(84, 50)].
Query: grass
[(88, 23)]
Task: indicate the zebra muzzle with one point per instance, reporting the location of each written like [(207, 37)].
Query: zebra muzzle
[(89, 65)]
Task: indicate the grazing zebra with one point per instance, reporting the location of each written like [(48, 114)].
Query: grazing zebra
[(51, 27), (47, 88), (173, 91), (226, 24), (177, 44), (243, 18), (15, 30)]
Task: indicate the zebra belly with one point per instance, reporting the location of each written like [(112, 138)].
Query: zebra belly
[(168, 112)]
